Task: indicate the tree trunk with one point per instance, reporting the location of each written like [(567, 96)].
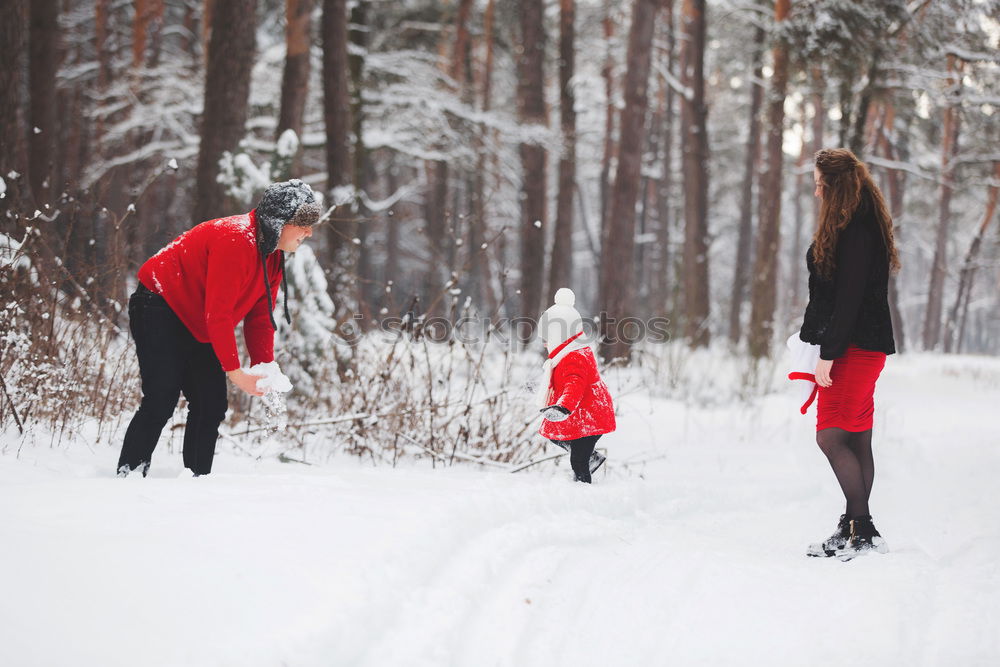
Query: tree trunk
[(461, 45), (392, 234), (190, 41), (864, 105), (896, 180), (949, 149), (617, 286), (13, 23), (483, 285), (146, 24), (846, 101), (435, 214), (140, 20), (295, 80), (440, 219), (694, 119), (561, 262), (155, 33), (43, 64), (960, 307), (207, 14), (664, 219), (741, 273), (764, 288), (819, 115), (607, 72), (470, 233), (227, 88), (73, 144), (797, 278), (358, 37), (102, 10), (337, 117), (531, 107)]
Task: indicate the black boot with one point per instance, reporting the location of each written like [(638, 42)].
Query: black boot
[(832, 544), (124, 469), (864, 539), (596, 460)]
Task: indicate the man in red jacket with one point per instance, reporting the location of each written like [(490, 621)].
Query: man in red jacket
[(191, 296)]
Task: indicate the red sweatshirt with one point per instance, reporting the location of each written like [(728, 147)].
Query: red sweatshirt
[(211, 277)]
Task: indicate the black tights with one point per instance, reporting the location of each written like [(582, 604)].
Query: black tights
[(579, 455), (850, 456)]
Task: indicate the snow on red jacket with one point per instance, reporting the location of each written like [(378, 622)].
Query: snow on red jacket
[(577, 386), (211, 277)]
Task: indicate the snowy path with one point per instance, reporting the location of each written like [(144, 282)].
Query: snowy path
[(697, 562)]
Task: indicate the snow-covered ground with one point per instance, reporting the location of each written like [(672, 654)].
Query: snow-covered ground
[(688, 550)]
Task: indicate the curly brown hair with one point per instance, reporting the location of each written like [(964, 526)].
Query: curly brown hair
[(843, 180)]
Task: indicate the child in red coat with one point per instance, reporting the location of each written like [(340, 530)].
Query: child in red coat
[(575, 402)]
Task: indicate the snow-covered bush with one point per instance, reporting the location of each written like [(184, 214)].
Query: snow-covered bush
[(309, 339), (700, 377), (405, 395), (245, 180), (63, 360)]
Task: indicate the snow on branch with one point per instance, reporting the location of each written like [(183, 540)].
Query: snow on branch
[(175, 149), (975, 158), (388, 202), (674, 83), (971, 56), (908, 167)]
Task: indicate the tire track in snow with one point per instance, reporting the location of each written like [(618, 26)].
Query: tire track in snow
[(477, 594)]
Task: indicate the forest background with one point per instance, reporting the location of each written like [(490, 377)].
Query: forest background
[(473, 156)]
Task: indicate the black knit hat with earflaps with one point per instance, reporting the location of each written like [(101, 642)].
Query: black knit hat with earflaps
[(287, 203)]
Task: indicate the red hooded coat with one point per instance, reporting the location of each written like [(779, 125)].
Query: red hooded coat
[(577, 386)]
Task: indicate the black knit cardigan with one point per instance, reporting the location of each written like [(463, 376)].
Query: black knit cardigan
[(853, 305)]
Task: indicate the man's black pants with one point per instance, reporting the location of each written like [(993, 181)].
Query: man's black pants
[(171, 360)]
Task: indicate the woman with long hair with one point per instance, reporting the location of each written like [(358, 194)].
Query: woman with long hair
[(849, 262)]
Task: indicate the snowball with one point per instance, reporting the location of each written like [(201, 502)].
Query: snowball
[(3, 186), (273, 380), (173, 163), (565, 297)]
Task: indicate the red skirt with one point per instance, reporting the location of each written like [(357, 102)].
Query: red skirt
[(849, 402)]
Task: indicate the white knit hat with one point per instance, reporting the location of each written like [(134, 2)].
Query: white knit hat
[(560, 321)]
